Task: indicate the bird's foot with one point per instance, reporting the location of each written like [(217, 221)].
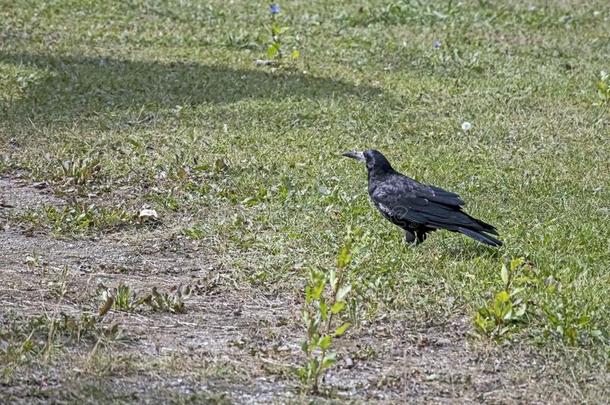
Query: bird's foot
[(410, 239)]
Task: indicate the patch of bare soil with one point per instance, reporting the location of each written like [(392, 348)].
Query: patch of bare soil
[(234, 343), (21, 195)]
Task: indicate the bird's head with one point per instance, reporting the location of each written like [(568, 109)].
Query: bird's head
[(375, 161)]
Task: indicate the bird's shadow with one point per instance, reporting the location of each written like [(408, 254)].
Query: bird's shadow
[(467, 250), (458, 247), (66, 88)]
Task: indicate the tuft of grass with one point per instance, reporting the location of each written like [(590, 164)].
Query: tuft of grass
[(172, 302), (78, 171), (123, 298), (79, 218)]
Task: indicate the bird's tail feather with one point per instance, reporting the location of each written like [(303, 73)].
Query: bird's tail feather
[(486, 227), (481, 237)]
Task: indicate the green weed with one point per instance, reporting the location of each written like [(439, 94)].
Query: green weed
[(326, 296), (527, 299), (275, 51), (508, 308)]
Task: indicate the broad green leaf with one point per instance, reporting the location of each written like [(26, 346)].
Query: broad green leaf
[(504, 274), (295, 54), (250, 201), (483, 323), (345, 256), (323, 310), (337, 307), (341, 329), (302, 373), (502, 297), (316, 292), (515, 263), (325, 342), (501, 305)]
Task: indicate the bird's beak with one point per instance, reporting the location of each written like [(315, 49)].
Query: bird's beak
[(359, 156)]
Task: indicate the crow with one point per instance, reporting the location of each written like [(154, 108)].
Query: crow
[(418, 208)]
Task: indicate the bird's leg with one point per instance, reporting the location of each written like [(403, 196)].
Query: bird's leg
[(421, 236)]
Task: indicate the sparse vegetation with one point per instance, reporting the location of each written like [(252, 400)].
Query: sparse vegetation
[(508, 308), (30, 340), (168, 302), (527, 299), (326, 296), (108, 107), (77, 218), (123, 298)]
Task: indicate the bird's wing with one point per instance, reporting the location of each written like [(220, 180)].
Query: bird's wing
[(404, 200), (442, 196)]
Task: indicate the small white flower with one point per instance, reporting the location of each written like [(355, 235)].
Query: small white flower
[(466, 126)]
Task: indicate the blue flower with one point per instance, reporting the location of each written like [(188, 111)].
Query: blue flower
[(274, 8), (436, 44)]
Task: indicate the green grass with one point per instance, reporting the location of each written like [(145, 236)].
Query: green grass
[(119, 105)]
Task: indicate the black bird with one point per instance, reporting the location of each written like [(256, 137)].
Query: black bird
[(418, 208)]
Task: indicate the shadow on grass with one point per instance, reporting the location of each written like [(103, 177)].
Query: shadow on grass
[(467, 250), (68, 88)]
